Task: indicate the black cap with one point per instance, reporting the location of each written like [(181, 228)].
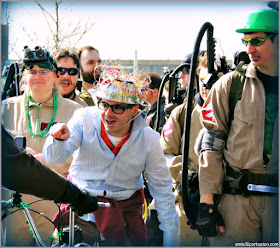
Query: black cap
[(188, 58)]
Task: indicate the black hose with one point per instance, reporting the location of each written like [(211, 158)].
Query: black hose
[(163, 81), (210, 51)]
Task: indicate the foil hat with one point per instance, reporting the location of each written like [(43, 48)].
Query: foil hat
[(117, 85)]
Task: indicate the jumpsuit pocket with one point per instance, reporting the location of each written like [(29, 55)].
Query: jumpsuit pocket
[(239, 137)]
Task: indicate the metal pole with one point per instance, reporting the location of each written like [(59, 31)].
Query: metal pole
[(71, 228)]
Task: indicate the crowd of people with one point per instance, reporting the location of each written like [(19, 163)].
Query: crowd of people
[(96, 140)]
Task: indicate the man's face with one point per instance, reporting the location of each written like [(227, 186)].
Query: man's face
[(184, 80), (147, 93), (39, 83), (115, 124), (90, 65), (67, 83), (264, 56)]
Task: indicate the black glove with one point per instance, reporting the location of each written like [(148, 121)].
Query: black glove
[(80, 200), (206, 222)]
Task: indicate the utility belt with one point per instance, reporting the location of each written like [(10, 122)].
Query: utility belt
[(246, 183)]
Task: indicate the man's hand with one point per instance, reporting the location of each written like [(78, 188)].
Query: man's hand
[(209, 217), (80, 200), (60, 131), (86, 204)]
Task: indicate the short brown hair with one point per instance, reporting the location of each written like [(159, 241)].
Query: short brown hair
[(155, 80), (66, 52)]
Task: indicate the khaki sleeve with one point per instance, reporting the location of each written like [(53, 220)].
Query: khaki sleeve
[(175, 167), (211, 172), (215, 116), (171, 136)]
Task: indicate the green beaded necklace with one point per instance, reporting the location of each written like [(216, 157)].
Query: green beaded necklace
[(43, 133)]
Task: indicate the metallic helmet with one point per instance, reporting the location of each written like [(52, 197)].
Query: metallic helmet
[(119, 86)]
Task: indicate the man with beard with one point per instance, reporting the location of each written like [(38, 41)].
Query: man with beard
[(68, 72), (90, 72)]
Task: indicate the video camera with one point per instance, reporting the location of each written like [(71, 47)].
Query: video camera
[(40, 56)]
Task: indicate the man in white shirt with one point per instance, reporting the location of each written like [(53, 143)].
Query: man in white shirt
[(115, 146)]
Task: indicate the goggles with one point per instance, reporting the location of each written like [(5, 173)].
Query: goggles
[(116, 108), (255, 41), (71, 71)]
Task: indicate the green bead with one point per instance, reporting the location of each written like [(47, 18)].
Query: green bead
[(45, 132)]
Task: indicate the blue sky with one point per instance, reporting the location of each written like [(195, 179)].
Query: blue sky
[(156, 29)]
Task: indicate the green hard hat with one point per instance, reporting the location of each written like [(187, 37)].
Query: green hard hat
[(265, 20)]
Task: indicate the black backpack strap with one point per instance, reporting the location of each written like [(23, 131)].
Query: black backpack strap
[(236, 87)]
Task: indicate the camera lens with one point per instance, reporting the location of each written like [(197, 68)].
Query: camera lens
[(39, 52), (28, 52)]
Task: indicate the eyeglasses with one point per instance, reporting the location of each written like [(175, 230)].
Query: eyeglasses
[(117, 109), (255, 41), (146, 88), (71, 71), (33, 73)]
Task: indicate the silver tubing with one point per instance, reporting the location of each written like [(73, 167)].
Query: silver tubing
[(71, 228), (31, 223), (262, 188)]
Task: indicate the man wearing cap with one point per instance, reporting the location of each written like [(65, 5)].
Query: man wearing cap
[(114, 146), (239, 153)]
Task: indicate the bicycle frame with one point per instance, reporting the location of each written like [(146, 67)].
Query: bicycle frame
[(10, 204)]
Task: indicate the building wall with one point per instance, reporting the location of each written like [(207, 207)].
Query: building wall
[(156, 66), (4, 44)]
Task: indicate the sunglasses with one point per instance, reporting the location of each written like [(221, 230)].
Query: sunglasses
[(185, 71), (71, 71), (255, 41), (117, 109)]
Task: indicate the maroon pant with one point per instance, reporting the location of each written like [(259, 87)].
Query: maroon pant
[(110, 221)]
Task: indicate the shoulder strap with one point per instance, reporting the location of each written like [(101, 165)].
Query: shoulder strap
[(236, 87)]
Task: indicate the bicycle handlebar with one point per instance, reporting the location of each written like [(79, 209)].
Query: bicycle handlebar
[(104, 204), (9, 204)]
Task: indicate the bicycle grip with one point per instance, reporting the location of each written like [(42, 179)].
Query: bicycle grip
[(104, 204)]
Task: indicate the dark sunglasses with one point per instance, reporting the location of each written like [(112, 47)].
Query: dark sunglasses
[(71, 71), (117, 109), (255, 41), (185, 71)]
